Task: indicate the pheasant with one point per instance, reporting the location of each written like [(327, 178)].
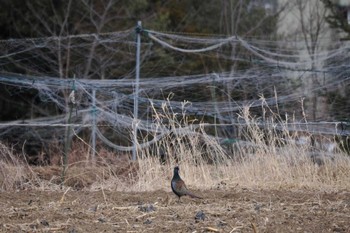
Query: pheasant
[(178, 186)]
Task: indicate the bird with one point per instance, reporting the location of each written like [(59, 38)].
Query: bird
[(179, 187)]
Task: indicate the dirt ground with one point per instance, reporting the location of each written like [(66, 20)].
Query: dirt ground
[(236, 210)]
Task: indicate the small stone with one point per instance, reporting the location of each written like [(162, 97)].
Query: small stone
[(72, 230), (200, 216), (147, 208), (221, 223), (44, 223), (148, 221)]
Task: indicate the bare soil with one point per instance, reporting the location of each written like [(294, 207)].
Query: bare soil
[(231, 210)]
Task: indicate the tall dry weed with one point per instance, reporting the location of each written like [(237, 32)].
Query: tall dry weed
[(13, 172), (268, 154)]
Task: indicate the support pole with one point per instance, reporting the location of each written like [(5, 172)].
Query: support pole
[(67, 145), (93, 131), (136, 93), (213, 96)]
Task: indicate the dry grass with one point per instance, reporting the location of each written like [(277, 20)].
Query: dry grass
[(268, 159), (12, 172), (272, 160)]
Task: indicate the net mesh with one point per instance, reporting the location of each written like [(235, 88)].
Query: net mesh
[(236, 72)]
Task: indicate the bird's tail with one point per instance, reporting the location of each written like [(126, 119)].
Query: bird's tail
[(193, 195)]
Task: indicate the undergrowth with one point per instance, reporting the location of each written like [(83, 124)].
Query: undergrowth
[(268, 157)]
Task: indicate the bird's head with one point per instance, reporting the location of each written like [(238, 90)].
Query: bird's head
[(176, 172)]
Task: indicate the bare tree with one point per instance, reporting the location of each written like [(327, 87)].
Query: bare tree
[(306, 20), (311, 16)]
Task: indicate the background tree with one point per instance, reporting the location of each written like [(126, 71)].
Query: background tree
[(338, 19), (313, 25), (338, 15), (60, 54)]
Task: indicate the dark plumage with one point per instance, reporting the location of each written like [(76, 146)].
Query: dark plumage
[(178, 186)]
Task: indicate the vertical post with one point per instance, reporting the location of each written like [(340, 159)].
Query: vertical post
[(136, 91), (213, 95), (71, 105), (93, 131)]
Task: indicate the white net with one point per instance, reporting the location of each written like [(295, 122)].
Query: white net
[(237, 72)]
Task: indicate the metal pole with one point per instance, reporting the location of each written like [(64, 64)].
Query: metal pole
[(136, 96), (71, 104), (213, 95), (93, 133)]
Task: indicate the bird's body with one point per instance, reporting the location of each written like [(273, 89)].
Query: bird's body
[(179, 187)]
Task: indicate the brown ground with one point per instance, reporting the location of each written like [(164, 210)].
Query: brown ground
[(238, 210)]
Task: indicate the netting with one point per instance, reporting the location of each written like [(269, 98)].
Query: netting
[(237, 72)]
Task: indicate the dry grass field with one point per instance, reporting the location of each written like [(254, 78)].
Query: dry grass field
[(137, 198), (222, 210), (271, 184)]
